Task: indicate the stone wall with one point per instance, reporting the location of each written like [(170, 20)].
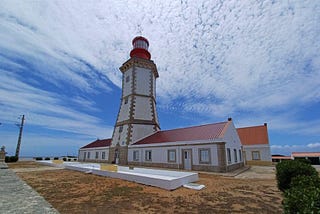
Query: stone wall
[(123, 154), (234, 166)]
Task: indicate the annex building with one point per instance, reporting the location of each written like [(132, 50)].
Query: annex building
[(138, 140)]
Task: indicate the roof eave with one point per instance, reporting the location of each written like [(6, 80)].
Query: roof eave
[(178, 143)]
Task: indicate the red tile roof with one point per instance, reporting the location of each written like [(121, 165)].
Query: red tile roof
[(203, 132), (305, 154), (254, 135), (98, 143)]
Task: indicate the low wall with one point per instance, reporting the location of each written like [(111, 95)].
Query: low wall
[(259, 163), (164, 179), (233, 167)]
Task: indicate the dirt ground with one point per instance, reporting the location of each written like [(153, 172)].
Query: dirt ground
[(76, 192)]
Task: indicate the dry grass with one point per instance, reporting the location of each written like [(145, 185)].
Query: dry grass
[(76, 192)]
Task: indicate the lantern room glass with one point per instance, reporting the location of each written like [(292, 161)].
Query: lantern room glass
[(140, 44)]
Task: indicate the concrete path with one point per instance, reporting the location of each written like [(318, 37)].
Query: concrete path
[(18, 197)]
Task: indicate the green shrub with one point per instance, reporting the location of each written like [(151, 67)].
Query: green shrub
[(56, 158), (304, 181), (47, 158), (303, 195), (39, 158), (304, 160), (11, 159), (287, 170), (64, 159)]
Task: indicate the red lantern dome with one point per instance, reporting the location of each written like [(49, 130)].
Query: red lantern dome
[(140, 48)]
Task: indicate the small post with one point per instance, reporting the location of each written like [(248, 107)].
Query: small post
[(2, 154)]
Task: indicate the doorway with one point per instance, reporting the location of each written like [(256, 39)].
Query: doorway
[(187, 159)]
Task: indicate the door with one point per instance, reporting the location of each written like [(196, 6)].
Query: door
[(187, 163), (116, 156)]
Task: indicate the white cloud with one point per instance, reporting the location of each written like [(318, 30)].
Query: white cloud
[(34, 144), (46, 109), (219, 57), (313, 145), (288, 149)]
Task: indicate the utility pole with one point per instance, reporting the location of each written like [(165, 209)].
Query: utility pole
[(20, 136)]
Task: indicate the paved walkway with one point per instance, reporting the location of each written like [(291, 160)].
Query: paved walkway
[(18, 197)]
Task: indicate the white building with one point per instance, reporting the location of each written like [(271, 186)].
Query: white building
[(97, 151), (137, 139), (256, 146), (213, 147)]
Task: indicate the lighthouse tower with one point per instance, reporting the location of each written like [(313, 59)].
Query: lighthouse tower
[(137, 117)]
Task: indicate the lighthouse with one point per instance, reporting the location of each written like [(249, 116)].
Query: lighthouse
[(137, 116)]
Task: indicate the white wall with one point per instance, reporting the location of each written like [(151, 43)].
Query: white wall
[(120, 137), (141, 131), (143, 108), (143, 81), (265, 154), (160, 154), (232, 140), (127, 85), (93, 154), (124, 110)]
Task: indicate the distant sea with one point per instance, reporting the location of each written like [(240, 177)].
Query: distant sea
[(26, 159)]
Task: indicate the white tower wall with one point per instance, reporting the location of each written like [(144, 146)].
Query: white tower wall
[(137, 117)]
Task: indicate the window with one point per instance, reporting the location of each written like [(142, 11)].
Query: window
[(127, 78), (126, 100), (135, 155), (229, 155), (84, 155), (255, 155), (240, 155), (235, 155), (120, 129), (88, 155), (103, 155), (204, 155), (148, 155), (97, 155), (172, 155)]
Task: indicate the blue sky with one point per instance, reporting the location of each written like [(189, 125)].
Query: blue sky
[(254, 61)]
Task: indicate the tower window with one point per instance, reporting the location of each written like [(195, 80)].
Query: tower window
[(127, 78), (126, 100), (120, 129)]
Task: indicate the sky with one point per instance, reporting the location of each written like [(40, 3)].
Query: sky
[(255, 61)]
